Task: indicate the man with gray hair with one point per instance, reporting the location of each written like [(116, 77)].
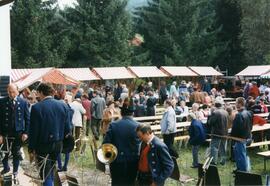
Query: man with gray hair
[(197, 137), (14, 124), (218, 127), (155, 164), (98, 104), (168, 127)]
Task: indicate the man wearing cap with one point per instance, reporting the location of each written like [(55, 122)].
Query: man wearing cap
[(155, 164), (122, 134), (218, 127), (14, 124), (183, 87)]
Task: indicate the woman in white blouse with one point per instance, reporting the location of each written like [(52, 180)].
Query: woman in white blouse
[(77, 119)]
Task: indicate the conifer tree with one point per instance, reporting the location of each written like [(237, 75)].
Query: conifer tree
[(179, 32), (100, 31)]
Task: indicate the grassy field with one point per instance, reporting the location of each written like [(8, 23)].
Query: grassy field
[(184, 162)]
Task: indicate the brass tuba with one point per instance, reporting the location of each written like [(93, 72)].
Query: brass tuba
[(107, 153)]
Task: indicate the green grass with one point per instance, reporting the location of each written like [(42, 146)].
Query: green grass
[(185, 161), (225, 172)]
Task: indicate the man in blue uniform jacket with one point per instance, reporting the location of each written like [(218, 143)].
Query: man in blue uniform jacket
[(14, 123), (122, 134), (155, 164), (49, 124)]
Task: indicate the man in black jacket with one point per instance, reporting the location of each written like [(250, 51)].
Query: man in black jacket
[(218, 125), (242, 126)]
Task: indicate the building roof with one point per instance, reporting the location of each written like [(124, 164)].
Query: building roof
[(113, 73), (147, 71), (178, 71)]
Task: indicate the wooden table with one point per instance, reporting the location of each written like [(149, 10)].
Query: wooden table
[(228, 99), (256, 128), (179, 127), (263, 115), (260, 128), (266, 156), (231, 102), (150, 118)]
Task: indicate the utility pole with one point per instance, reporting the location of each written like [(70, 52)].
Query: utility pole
[(5, 46)]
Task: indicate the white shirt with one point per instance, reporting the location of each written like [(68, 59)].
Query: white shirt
[(150, 140), (78, 112)]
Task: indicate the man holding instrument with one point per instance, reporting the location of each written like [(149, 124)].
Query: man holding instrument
[(122, 134), (14, 123)]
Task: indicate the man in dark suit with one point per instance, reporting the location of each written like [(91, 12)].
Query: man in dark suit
[(155, 164), (14, 124), (49, 124), (122, 134)]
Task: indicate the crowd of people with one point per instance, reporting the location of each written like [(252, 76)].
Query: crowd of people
[(49, 116)]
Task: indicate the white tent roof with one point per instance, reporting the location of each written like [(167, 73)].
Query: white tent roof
[(257, 70), (79, 74), (147, 71), (113, 73), (178, 71), (205, 71)]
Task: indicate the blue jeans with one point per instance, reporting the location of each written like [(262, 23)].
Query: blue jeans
[(195, 152), (218, 149), (47, 170), (240, 156), (59, 161)]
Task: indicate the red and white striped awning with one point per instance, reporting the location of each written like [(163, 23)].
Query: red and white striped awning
[(79, 74), (45, 75), (113, 73), (178, 71), (17, 74), (205, 71), (146, 71)]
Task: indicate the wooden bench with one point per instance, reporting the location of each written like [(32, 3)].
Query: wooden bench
[(266, 156), (180, 139), (258, 144)]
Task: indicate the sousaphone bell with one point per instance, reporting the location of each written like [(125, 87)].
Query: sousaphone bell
[(106, 154)]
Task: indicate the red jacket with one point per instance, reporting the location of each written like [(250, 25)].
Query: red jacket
[(254, 91), (87, 106)]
